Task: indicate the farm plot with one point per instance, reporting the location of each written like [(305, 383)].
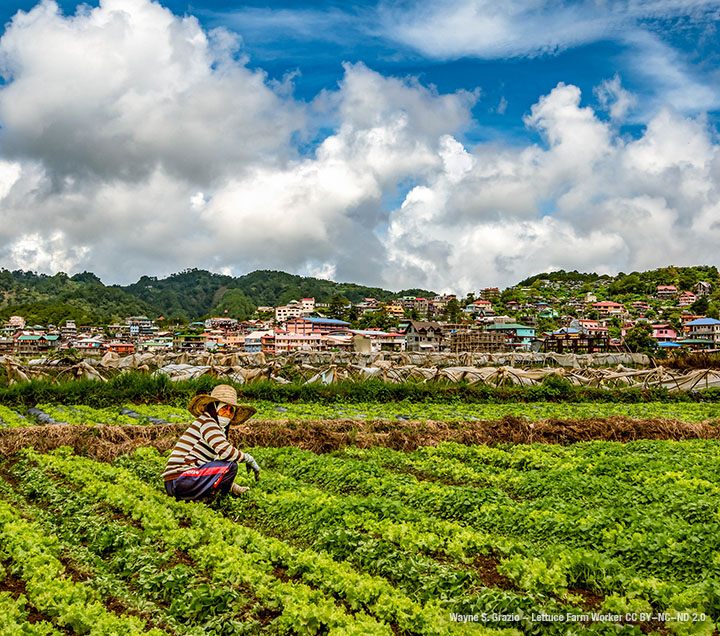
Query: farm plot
[(143, 414), (616, 539)]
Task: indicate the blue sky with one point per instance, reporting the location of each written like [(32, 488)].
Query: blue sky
[(313, 39), (472, 139)]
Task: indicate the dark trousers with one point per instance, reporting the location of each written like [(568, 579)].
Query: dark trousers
[(206, 481)]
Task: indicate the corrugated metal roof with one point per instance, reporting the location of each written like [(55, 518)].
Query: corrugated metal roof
[(325, 321), (703, 321)]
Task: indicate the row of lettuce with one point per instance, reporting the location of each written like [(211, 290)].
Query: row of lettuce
[(143, 414), (138, 387), (373, 541)]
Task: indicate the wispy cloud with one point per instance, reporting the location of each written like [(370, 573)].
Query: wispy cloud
[(670, 79), (330, 25), (658, 39), (491, 30)]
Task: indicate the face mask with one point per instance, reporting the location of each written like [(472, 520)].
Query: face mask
[(223, 421)]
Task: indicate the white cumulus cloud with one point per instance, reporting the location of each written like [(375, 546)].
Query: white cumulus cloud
[(134, 142), (588, 200)]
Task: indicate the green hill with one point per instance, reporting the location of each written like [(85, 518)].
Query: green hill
[(187, 295)]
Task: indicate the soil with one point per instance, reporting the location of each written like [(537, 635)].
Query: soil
[(16, 587), (109, 442), (281, 573), (73, 571), (591, 600), (486, 569), (115, 605)]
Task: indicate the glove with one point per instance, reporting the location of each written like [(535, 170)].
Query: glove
[(251, 464)]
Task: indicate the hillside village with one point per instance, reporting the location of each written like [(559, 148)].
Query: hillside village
[(559, 312)]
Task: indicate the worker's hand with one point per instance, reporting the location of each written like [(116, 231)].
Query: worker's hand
[(251, 464)]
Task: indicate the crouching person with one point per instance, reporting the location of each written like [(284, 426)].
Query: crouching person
[(204, 463)]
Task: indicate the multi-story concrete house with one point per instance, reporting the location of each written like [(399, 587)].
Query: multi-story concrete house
[(316, 325), (421, 306), (370, 341), (480, 307), (704, 329), (141, 326), (34, 344), (607, 309), (518, 336), (423, 336), (666, 292), (291, 310), (395, 309), (253, 340), (664, 333)]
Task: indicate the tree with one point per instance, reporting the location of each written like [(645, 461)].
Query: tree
[(700, 306), (452, 311), (511, 293), (338, 307), (377, 320), (234, 304), (687, 278), (639, 339)]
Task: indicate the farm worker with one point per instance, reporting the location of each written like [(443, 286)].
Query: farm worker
[(203, 462)]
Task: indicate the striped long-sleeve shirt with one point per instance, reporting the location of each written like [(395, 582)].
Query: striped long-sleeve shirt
[(204, 441)]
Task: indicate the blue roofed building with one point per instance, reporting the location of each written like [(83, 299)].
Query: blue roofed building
[(703, 329)]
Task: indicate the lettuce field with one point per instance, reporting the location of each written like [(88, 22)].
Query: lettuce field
[(402, 410), (597, 537)]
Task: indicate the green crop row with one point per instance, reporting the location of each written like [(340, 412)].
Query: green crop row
[(364, 532), (216, 537), (368, 540), (34, 557), (120, 563), (86, 415), (622, 547), (239, 552), (137, 387)]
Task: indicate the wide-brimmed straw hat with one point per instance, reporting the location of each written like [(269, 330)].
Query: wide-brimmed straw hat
[(227, 395)]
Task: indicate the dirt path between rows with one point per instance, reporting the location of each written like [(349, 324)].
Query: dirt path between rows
[(108, 442)]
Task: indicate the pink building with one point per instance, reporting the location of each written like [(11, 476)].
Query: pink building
[(316, 325), (664, 333), (607, 308), (686, 298), (666, 291), (287, 342)]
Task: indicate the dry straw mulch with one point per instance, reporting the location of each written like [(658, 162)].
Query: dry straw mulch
[(108, 442)]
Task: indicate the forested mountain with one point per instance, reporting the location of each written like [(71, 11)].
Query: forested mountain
[(194, 293), (43, 299), (188, 295)]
